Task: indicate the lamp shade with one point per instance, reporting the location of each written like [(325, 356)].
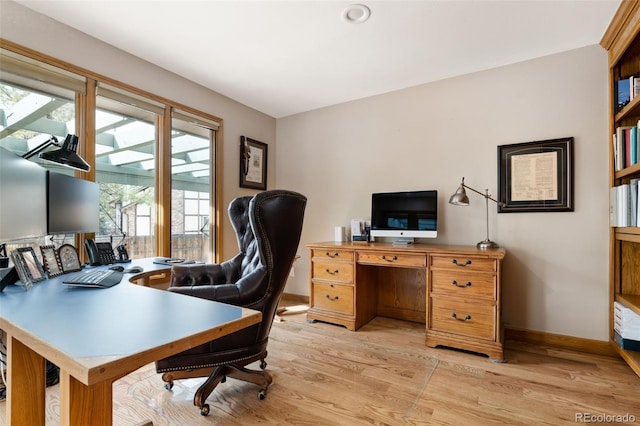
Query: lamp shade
[(67, 155), (459, 198)]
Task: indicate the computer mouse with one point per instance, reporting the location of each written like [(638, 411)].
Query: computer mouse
[(117, 268), (134, 270)]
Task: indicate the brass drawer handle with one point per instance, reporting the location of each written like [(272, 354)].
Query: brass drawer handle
[(454, 282), (332, 272), (336, 254), (455, 262), (393, 259), (333, 299), (466, 317)]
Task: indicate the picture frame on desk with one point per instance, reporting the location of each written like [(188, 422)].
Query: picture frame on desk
[(536, 176), (27, 266), (20, 271), (69, 258), (51, 261)]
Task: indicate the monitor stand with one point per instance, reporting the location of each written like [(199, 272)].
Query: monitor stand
[(403, 242)]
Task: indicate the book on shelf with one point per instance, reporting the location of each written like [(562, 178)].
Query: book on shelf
[(627, 89), (626, 145), (613, 209), (633, 202), (623, 91), (624, 209), (626, 344), (626, 322), (634, 87), (632, 146)]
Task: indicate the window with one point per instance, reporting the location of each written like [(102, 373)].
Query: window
[(191, 140), (37, 101), (125, 169), (136, 134)]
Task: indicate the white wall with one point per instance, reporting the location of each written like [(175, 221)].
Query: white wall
[(38, 32), (428, 137)]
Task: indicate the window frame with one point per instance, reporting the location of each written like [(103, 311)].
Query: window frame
[(86, 128)]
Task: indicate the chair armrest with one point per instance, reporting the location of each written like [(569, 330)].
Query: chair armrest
[(225, 293), (199, 274), (247, 290)]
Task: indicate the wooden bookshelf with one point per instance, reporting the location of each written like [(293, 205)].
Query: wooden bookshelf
[(622, 42)]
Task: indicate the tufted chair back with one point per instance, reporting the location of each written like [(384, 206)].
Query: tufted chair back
[(268, 228), (239, 216)]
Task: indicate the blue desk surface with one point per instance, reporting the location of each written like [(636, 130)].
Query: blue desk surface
[(97, 326)]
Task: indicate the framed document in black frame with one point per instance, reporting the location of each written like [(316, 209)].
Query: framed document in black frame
[(536, 176), (253, 163)]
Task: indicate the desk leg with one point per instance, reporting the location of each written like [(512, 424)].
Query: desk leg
[(85, 405), (26, 385)]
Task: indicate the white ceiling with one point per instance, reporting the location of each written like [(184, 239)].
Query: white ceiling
[(286, 57)]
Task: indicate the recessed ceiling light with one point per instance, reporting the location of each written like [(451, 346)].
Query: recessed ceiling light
[(356, 13)]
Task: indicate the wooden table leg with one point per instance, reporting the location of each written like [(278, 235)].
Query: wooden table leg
[(26, 385), (85, 405)]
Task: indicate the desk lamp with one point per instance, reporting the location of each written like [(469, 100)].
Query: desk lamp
[(460, 198), (66, 155)]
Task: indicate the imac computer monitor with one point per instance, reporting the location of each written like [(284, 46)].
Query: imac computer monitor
[(405, 215)]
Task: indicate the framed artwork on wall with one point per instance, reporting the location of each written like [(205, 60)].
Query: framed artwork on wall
[(253, 163), (536, 176)]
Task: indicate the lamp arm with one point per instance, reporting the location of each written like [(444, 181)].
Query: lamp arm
[(52, 141), (485, 195)]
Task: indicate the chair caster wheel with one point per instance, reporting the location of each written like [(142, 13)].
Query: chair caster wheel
[(204, 410), (262, 394), (168, 386), (263, 364)]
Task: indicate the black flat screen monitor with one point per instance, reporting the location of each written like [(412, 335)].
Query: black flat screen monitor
[(73, 204), (405, 215), (23, 209)]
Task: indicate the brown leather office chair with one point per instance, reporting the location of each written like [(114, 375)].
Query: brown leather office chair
[(268, 227)]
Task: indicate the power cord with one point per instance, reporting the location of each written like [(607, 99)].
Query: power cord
[(3, 363)]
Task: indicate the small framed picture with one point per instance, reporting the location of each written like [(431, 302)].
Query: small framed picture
[(51, 261), (69, 258), (253, 163), (30, 266), (20, 269)]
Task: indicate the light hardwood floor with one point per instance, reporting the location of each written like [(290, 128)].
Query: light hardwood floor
[(384, 375)]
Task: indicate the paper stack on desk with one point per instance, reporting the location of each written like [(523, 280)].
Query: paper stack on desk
[(626, 326)]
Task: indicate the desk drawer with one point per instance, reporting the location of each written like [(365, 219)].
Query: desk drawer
[(333, 297), (335, 254), (470, 318), (462, 262), (393, 259), (463, 283), (333, 271)]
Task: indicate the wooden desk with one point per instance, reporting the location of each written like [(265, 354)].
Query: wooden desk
[(454, 290), (97, 336)]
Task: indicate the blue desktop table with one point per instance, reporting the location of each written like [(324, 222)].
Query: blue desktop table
[(97, 336)]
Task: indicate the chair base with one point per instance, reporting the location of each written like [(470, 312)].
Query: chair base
[(219, 374)]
